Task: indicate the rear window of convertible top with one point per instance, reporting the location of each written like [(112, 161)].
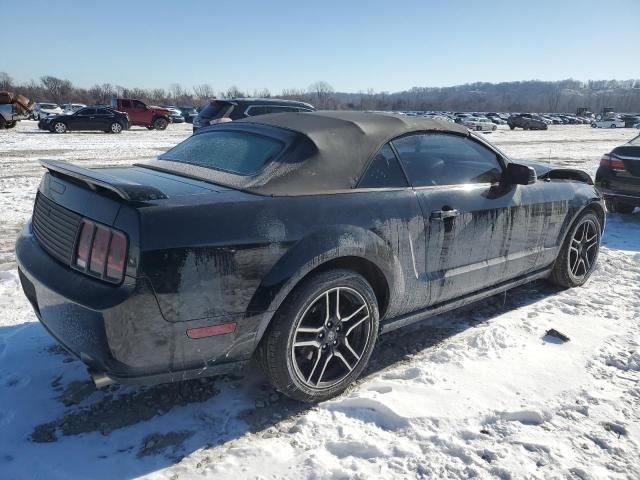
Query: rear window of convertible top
[(241, 153)]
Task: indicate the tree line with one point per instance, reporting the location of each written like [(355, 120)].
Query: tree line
[(525, 96)]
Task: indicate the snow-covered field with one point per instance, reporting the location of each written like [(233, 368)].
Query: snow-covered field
[(478, 393)]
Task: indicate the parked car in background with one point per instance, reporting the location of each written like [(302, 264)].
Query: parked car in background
[(141, 114), (43, 110), (460, 117), (608, 123), (189, 113), (479, 124), (526, 121), (618, 177), (89, 118), (630, 121), (295, 267), (219, 111), (495, 118), (175, 114), (72, 107)]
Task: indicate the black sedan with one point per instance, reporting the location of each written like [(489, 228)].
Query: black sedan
[(294, 237), (618, 177), (90, 118)]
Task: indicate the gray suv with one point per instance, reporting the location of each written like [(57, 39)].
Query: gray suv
[(219, 111)]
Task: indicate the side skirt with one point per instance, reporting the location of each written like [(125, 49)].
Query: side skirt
[(437, 309)]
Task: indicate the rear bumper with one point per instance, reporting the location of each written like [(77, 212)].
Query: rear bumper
[(119, 331), (624, 188)]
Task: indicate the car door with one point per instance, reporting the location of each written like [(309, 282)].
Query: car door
[(477, 231), (103, 119), (81, 119), (140, 114)]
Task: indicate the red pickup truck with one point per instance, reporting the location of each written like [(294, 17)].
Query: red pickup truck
[(142, 114)]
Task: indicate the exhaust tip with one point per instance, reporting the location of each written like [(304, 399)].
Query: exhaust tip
[(101, 380)]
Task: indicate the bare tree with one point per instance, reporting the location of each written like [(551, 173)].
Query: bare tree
[(57, 88), (322, 92), (6, 82), (233, 92), (204, 91)]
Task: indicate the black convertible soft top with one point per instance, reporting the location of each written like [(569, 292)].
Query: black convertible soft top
[(330, 150)]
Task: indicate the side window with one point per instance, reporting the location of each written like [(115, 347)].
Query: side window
[(102, 111), (254, 110), (126, 103), (384, 171), (138, 104), (445, 159), (87, 111)]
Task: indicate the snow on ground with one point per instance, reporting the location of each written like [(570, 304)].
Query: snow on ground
[(477, 393)]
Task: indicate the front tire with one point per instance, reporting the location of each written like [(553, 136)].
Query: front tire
[(59, 127), (322, 336), (577, 259), (115, 127), (613, 125), (160, 123)]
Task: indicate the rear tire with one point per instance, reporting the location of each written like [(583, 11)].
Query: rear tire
[(579, 254), (613, 125), (11, 124), (115, 127), (160, 123), (321, 337), (3, 123), (512, 127)]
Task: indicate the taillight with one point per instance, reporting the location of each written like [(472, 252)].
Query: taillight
[(101, 252), (612, 162)]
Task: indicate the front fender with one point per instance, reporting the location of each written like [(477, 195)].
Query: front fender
[(311, 252)]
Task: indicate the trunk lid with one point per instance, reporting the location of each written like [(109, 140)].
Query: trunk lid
[(134, 184)]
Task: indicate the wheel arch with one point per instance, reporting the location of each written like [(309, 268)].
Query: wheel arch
[(593, 205), (352, 248)]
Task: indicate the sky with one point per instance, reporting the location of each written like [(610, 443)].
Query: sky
[(353, 45)]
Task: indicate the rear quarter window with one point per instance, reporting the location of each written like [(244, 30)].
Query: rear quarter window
[(215, 110), (241, 153)]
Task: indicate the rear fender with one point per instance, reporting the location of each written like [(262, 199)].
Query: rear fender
[(314, 251)]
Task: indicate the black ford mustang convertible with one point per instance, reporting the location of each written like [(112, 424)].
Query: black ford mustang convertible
[(295, 237)]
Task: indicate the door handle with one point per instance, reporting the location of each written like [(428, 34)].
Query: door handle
[(444, 214)]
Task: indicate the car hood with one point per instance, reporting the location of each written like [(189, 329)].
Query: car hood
[(162, 109)]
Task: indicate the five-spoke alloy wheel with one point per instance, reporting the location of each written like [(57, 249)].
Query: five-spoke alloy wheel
[(322, 336), (331, 337), (577, 258)]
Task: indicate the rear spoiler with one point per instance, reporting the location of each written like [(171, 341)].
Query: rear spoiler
[(95, 179)]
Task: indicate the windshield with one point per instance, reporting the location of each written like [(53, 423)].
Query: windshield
[(48, 105), (241, 153), (635, 141)]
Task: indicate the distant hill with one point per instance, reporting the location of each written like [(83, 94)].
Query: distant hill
[(525, 96), (529, 96)]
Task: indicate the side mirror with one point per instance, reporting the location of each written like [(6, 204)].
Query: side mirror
[(517, 174)]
